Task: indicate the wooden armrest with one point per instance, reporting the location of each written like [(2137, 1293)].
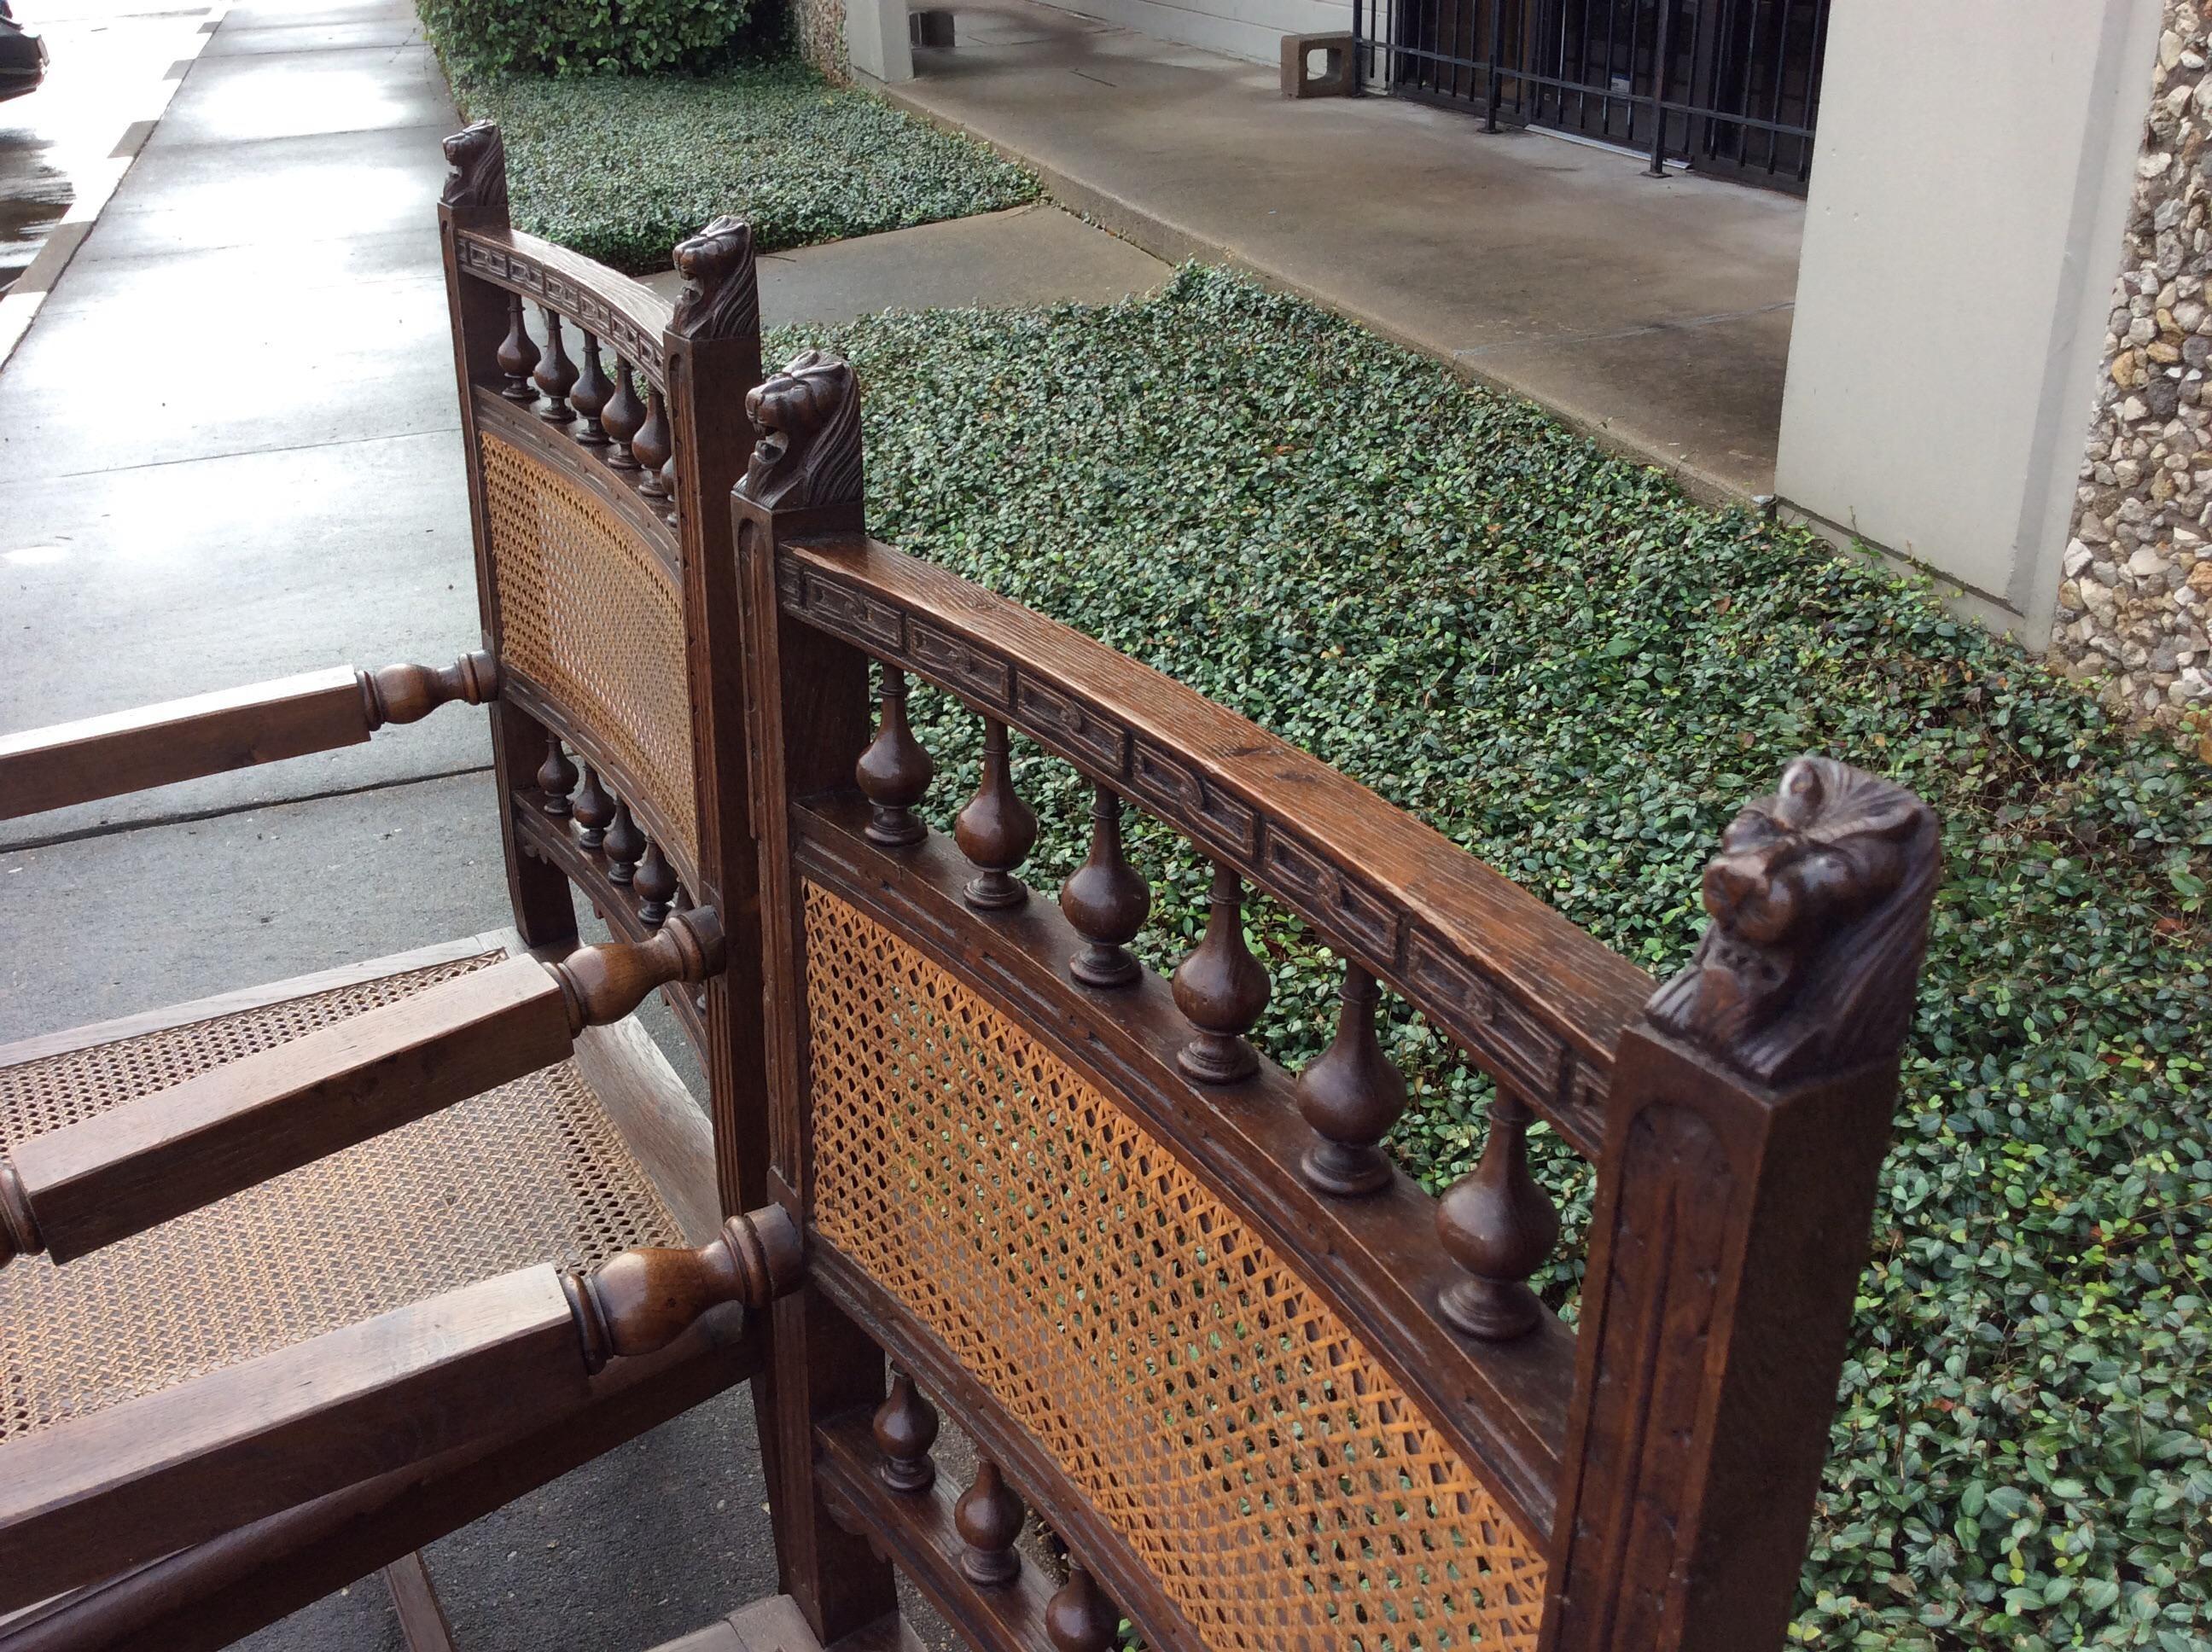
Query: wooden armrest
[(85, 1500), (74, 1189), (236, 728)]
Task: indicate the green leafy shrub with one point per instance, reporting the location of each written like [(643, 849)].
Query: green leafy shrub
[(1567, 667), (621, 168), (582, 37)]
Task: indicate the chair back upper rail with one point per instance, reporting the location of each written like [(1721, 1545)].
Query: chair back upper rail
[(627, 315), (1535, 1001)]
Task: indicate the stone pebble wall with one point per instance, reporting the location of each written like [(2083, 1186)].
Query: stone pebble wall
[(2137, 588), (819, 28)]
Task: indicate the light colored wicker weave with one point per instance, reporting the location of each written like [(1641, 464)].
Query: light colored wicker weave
[(1286, 1493), (588, 614), (532, 1172)]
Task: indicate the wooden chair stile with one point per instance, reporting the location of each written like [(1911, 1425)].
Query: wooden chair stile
[(296, 1144)]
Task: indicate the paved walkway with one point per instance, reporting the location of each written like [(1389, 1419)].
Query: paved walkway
[(1655, 313)]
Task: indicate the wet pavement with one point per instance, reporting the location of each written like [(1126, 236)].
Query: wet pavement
[(61, 144)]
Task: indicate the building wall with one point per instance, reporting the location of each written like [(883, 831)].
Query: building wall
[(2137, 573), (1970, 188)]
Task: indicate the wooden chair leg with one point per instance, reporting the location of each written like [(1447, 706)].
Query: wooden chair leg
[(421, 1619)]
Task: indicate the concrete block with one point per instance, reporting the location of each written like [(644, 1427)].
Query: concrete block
[(1336, 76)]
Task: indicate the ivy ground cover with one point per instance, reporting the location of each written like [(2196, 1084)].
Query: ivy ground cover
[(1577, 674), (620, 168)]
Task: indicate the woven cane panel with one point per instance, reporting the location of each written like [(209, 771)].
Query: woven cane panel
[(1286, 1493), (532, 1172), (587, 613)]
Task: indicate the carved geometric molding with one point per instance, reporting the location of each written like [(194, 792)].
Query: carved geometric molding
[(517, 271), (1507, 1032)]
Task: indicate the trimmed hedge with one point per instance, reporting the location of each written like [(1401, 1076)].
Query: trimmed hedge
[(582, 37), (1551, 655), (621, 168)]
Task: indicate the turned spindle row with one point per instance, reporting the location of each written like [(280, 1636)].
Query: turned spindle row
[(989, 1516), (605, 827), (1497, 1223), (602, 412)]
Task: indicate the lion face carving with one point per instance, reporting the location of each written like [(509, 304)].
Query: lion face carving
[(808, 452), (476, 161), (1819, 899), (722, 291)]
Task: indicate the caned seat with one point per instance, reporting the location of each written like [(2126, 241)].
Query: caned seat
[(534, 1170)]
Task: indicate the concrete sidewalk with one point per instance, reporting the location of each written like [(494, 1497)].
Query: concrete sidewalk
[(1653, 314)]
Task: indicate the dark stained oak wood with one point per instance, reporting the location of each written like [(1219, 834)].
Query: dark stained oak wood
[(1375, 1259), (1500, 1227), (556, 778), (205, 1597), (1077, 1618), (906, 1428), (1221, 989), (628, 314), (89, 1184), (997, 829), (919, 1533), (85, 1498), (1106, 900), (1534, 999), (106, 755), (1351, 1094), (556, 374), (662, 1125), (989, 1517), (421, 1619), (894, 771), (122, 1171)]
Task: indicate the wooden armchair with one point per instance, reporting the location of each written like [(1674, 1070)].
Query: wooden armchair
[(260, 1328), (1269, 1395)]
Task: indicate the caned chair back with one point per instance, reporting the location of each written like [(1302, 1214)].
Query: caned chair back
[(604, 429), (1271, 1396)]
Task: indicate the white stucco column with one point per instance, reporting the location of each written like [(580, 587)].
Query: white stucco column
[(878, 38), (1970, 193)]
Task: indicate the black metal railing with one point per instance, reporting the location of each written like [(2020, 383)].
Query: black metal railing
[(1728, 87)]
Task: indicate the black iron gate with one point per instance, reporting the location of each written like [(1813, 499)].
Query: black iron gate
[(1728, 87)]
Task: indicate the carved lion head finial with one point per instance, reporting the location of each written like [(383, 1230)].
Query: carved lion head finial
[(1820, 900), (476, 158), (809, 450), (721, 292)]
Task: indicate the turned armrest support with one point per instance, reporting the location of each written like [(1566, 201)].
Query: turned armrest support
[(74, 1189), (236, 728), (87, 1499)]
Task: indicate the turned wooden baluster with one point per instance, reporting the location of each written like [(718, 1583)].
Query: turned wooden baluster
[(408, 694), (594, 812), (622, 417), (518, 354), (1220, 988), (623, 845), (1498, 1224), (989, 1517), (1077, 1618), (894, 771), (1351, 1094), (1107, 900), (997, 829), (556, 374), (589, 398), (905, 1430), (654, 883), (650, 448), (556, 778), (668, 486), (641, 1301)]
